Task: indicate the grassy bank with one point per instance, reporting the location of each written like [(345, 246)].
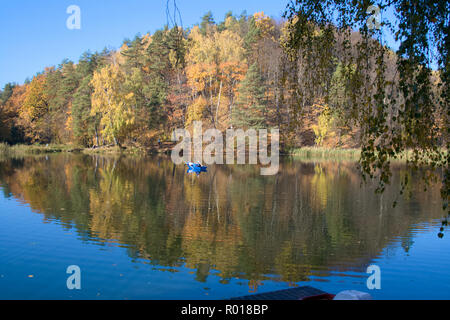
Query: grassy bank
[(115, 150), (21, 149), (36, 149), (315, 153)]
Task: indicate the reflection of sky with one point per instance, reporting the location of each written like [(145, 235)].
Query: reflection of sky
[(44, 250), (420, 273)]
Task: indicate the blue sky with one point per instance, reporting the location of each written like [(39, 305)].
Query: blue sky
[(34, 33)]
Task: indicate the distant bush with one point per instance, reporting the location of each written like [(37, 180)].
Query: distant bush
[(325, 153), (4, 149)]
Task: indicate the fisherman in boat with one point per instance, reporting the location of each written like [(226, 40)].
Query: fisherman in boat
[(195, 167)]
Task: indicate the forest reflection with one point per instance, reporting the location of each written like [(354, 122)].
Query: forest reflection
[(310, 219)]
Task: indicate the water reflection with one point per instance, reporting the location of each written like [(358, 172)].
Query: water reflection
[(310, 219)]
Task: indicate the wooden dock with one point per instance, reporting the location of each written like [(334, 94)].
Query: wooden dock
[(298, 293)]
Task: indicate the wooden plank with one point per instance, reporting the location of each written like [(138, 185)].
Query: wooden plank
[(286, 294)]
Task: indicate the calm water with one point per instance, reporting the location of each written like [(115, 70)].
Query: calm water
[(144, 229)]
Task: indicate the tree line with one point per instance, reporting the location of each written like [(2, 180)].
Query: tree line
[(235, 73)]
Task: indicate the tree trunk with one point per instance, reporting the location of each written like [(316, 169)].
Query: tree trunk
[(96, 136), (218, 103)]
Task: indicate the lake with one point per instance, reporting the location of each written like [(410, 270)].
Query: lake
[(142, 228)]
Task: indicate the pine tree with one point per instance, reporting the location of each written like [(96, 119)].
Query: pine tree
[(134, 53), (207, 22), (251, 105), (84, 124), (251, 38), (6, 93)]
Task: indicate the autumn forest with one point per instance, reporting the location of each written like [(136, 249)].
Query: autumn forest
[(236, 73)]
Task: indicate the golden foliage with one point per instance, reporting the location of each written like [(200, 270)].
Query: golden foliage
[(112, 103), (195, 110)]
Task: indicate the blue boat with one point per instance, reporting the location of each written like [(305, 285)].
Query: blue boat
[(196, 168)]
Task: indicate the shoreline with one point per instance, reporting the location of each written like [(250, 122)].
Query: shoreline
[(309, 153), (34, 149)]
